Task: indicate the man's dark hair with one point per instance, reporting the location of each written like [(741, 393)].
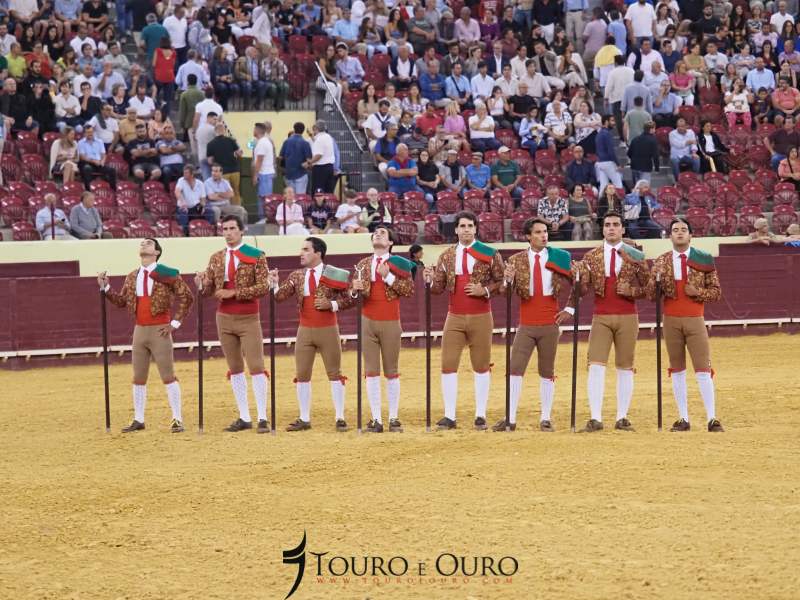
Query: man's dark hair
[(318, 245), (299, 128), (412, 250), (638, 76), (260, 127), (211, 114), (604, 120), (528, 226), (638, 101), (648, 127), (191, 79), (209, 92), (465, 214), (612, 213), (236, 218), (619, 60), (160, 251), (680, 220)]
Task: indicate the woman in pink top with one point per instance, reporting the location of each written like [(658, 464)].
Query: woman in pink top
[(454, 130), (683, 83)]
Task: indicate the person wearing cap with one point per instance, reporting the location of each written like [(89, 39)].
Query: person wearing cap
[(506, 174), (478, 174), (348, 69)]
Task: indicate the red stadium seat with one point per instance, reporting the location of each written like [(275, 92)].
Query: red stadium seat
[(517, 221), (28, 143), (34, 167), (415, 206), (528, 182), (22, 231), (663, 216), (700, 196), (686, 180), (475, 201), (767, 178), (162, 209), (501, 203), (389, 200), (406, 230), (490, 228), (43, 187), (11, 168), (700, 221), (690, 114), (530, 203), (201, 228), (748, 217), (739, 178), (168, 228), (714, 181), (69, 202), (724, 221), (432, 233), (728, 196), (507, 137), (669, 197), (119, 164), (784, 194), (117, 233), (13, 208), (74, 188), (447, 203), (783, 216), (754, 194), (48, 138), (712, 112)]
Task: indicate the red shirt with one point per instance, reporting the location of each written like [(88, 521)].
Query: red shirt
[(612, 303)]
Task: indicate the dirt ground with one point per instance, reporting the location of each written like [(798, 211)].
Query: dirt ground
[(88, 514)]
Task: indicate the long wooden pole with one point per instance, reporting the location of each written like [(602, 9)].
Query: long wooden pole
[(658, 349), (104, 327), (272, 359), (577, 300), (427, 356), (508, 354), (200, 361)]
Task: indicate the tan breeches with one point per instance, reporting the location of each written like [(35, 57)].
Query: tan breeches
[(543, 338), (620, 330), (149, 343), (474, 331), (242, 342), (681, 333), (324, 340), (380, 342)]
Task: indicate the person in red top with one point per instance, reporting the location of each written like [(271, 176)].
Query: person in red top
[(382, 279), (320, 292), (164, 72), (149, 293), (618, 275), (472, 273), (538, 275), (237, 277), (688, 280)]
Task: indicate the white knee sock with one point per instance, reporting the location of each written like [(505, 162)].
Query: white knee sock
[(174, 398), (374, 397), (515, 385), (706, 385), (337, 395), (393, 395), (139, 401), (304, 400), (679, 391), (260, 392), (547, 389), (449, 394), (482, 381), (624, 392), (239, 385), (596, 389)]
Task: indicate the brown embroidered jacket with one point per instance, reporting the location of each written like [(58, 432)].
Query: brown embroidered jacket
[(403, 287), (522, 278), (161, 300), (592, 271), (251, 279), (488, 275), (294, 284), (705, 283)]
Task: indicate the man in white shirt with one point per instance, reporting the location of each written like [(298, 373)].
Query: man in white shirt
[(103, 83), (640, 19), (683, 147), (193, 65), (378, 123), (51, 222), (204, 107), (263, 164), (519, 64), (177, 26), (482, 84), (647, 56), (347, 215), (67, 106), (144, 105), (535, 81), (619, 78), (777, 20), (322, 159), (81, 38), (715, 61), (289, 215), (219, 194), (507, 82), (537, 276), (205, 133), (6, 39), (190, 194)]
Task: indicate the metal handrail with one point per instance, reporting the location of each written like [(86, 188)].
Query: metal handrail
[(339, 108)]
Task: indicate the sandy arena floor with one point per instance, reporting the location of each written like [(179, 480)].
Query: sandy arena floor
[(609, 515)]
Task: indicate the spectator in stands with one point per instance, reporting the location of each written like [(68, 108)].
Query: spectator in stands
[(85, 222), (610, 201), (507, 83), (498, 107), (535, 82), (665, 106), (670, 55), (711, 150), (761, 235), (275, 72), (15, 106), (760, 77), (348, 69), (559, 126), (375, 214), (367, 105), (289, 215), (163, 71), (224, 150), (89, 103), (193, 66), (428, 178), (187, 103), (104, 83), (247, 72), (635, 119), (467, 30), (640, 19), (170, 152), (546, 63), (92, 157), (498, 60), (377, 124), (150, 36), (51, 222), (64, 155), (478, 174), (639, 207), (141, 152), (430, 123), (222, 77), (587, 123), (683, 148), (369, 39), (263, 165), (619, 79), (643, 153), (579, 171), (386, 147), (141, 102), (581, 215), (655, 78), (119, 62), (322, 159), (482, 84), (219, 195), (785, 99), (519, 105), (319, 216), (177, 26), (415, 253), (532, 132), (761, 108), (432, 85), (137, 77), (636, 90), (190, 194), (106, 127), (43, 112), (481, 128), (506, 174), (348, 214), (780, 141), (715, 60), (402, 70), (607, 168), (295, 151), (453, 175), (554, 210), (155, 126), (789, 168), (402, 172)]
